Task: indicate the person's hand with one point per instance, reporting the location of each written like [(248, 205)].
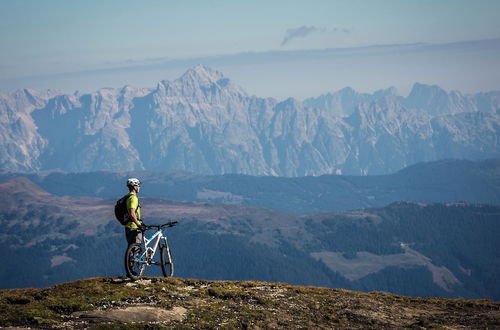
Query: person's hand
[(143, 227)]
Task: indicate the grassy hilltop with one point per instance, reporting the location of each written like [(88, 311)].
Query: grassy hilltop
[(157, 303)]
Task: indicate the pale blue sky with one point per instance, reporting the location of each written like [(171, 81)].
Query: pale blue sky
[(270, 48)]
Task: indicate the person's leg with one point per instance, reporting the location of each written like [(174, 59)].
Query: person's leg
[(138, 236), (131, 235)]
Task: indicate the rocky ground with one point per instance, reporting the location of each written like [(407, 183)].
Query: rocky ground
[(156, 303)]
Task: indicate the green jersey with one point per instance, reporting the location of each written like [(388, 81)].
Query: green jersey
[(133, 203)]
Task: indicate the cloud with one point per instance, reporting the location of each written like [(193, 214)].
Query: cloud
[(300, 32), (304, 31)]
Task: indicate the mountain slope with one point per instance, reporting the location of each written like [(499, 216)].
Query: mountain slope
[(189, 303), (206, 124), (447, 250), (442, 181)]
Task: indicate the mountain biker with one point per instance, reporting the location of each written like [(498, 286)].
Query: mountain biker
[(134, 226)]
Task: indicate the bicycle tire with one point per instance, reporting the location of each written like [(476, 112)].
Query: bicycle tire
[(166, 261), (133, 268)]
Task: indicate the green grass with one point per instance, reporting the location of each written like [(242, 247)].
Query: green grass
[(48, 306), (232, 304)]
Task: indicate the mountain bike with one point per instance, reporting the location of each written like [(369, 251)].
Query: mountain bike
[(139, 256)]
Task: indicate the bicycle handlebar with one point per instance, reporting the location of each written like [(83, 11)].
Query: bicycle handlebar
[(168, 224)]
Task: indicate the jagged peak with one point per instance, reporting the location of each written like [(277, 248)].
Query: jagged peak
[(33, 93), (134, 91), (108, 92), (162, 85), (419, 89), (25, 93), (105, 91), (347, 90), (391, 91), (202, 74), (435, 100), (289, 103), (130, 89)]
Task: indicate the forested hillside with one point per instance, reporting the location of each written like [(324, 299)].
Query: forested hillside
[(407, 248)]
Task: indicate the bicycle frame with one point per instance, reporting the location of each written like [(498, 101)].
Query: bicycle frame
[(151, 245)]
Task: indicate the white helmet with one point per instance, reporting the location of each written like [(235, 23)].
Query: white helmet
[(132, 182)]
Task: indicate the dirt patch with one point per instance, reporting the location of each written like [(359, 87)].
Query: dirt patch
[(135, 314)]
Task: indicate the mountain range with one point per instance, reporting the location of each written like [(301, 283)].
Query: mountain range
[(351, 190), (418, 249), (204, 123)]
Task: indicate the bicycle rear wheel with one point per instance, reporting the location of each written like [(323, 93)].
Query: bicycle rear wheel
[(166, 261), (133, 265)]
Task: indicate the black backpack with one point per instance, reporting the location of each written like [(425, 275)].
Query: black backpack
[(121, 211)]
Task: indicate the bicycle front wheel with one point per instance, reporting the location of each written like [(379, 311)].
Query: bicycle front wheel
[(134, 265), (167, 263)]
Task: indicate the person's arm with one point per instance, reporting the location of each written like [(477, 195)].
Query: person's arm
[(133, 216)]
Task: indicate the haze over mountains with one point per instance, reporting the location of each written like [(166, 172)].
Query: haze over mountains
[(440, 181), (204, 123)]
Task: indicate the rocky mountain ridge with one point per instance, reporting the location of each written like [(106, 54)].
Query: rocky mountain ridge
[(204, 123)]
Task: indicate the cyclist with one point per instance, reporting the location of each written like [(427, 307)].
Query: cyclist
[(134, 226)]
